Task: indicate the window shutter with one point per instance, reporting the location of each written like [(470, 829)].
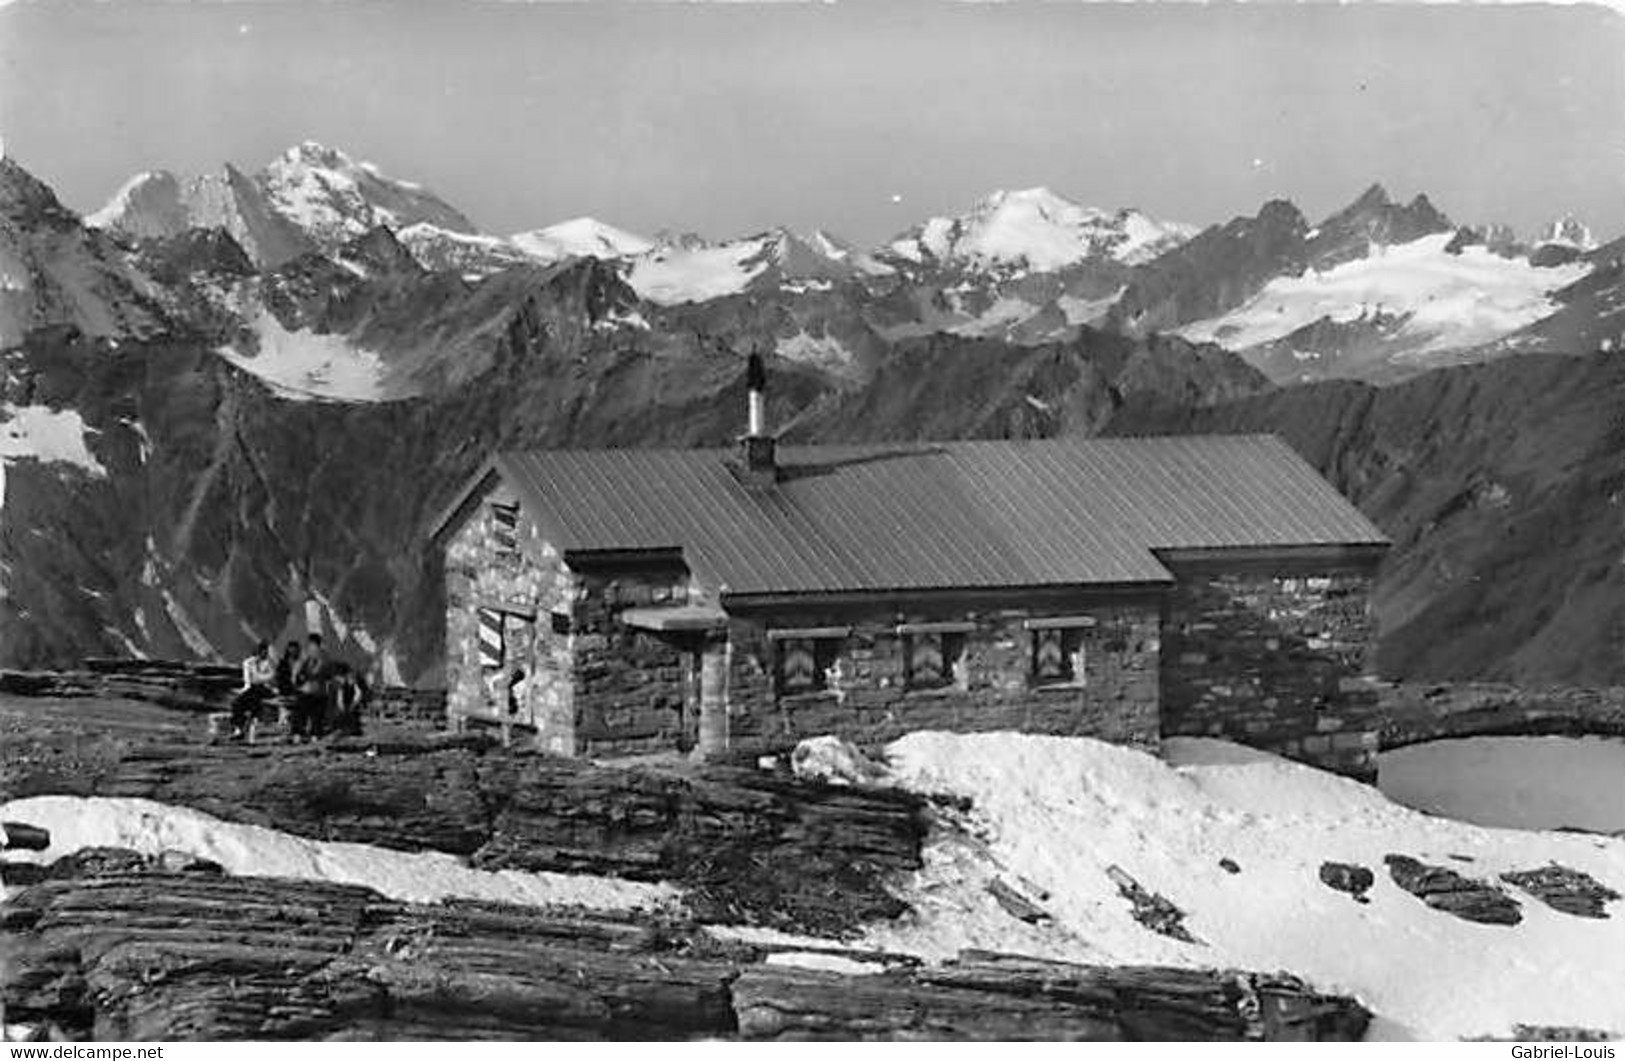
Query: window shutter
[(491, 639), (505, 528)]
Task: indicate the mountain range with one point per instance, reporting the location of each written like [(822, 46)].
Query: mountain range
[(230, 399)]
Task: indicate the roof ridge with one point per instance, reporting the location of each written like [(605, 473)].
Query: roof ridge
[(916, 444)]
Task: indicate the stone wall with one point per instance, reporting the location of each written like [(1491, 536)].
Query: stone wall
[(1273, 661), (1416, 713), (868, 701), (528, 580), (631, 684), (1269, 658)]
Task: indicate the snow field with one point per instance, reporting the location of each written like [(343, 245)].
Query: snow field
[(1455, 300), (1051, 814), (152, 828), (308, 366)]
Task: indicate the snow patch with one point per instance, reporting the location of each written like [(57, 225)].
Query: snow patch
[(340, 628), (131, 649), (824, 962), (306, 366), (389, 667), (152, 828), (823, 350), (144, 441), (617, 319), (674, 275), (40, 433), (1006, 312), (474, 256), (804, 287), (1087, 310), (1057, 812), (196, 641)]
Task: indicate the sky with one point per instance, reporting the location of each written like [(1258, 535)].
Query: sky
[(861, 117)]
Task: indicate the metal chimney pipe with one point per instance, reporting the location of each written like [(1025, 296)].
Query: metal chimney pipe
[(756, 380)]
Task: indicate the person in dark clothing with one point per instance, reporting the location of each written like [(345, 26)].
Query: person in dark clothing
[(285, 668), (310, 680), (349, 700), (259, 677)]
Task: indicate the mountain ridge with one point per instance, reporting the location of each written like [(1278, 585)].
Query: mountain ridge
[(155, 391)]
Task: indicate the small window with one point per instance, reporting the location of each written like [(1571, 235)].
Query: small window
[(505, 528), (804, 662), (1058, 656), (932, 659), (506, 640), (504, 637)]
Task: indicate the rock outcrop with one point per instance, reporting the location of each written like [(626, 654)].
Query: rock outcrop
[(1570, 891), (120, 949), (1449, 891), (748, 846)]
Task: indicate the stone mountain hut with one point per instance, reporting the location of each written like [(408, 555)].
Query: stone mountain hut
[(725, 602)]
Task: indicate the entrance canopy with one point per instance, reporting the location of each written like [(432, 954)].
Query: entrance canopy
[(676, 618)]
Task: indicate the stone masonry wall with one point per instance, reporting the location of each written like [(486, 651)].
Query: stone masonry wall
[(1273, 661), (532, 581), (630, 684), (867, 701)]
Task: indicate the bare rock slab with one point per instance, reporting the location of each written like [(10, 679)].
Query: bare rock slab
[(1569, 891), (1445, 889), (1348, 877)]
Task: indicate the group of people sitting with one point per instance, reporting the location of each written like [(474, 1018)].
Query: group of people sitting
[(322, 695)]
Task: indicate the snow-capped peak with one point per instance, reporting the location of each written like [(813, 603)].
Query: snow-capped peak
[(334, 198), (148, 204), (829, 246), (1038, 230), (312, 153), (581, 237), (1039, 200)]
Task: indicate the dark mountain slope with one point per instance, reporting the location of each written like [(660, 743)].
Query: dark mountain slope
[(225, 510), (947, 387), (1219, 269), (1503, 487)]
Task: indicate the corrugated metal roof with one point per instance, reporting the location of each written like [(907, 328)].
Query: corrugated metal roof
[(939, 515)]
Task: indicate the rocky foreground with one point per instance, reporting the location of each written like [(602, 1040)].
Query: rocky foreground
[(115, 947), (108, 944), (747, 846)]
